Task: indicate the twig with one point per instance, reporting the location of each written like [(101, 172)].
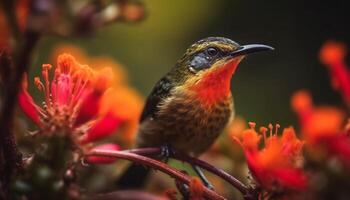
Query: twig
[(154, 164), (184, 157), (128, 194), (219, 172)]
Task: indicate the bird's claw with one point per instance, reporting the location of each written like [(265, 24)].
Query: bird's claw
[(209, 185), (204, 179), (166, 152)]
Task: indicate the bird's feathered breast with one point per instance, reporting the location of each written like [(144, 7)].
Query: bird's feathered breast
[(213, 85), (182, 121)]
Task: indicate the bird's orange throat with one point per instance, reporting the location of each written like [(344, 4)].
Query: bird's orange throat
[(215, 85)]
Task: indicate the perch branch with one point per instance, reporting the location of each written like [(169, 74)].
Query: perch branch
[(185, 158), (128, 194), (154, 164)]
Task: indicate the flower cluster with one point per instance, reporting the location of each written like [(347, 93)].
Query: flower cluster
[(277, 165), (324, 127)]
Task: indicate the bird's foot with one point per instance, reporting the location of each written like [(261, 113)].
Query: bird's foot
[(166, 152), (204, 179), (209, 185)]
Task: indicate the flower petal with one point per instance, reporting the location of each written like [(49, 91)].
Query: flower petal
[(250, 139), (89, 108), (339, 145), (102, 128), (28, 106), (332, 54), (26, 102), (291, 178)]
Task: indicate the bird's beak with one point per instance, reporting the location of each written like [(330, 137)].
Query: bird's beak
[(250, 48)]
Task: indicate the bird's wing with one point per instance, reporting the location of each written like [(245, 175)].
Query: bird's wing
[(160, 91)]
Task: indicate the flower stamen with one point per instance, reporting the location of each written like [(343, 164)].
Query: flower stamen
[(277, 126), (263, 130), (271, 129), (252, 125), (45, 75), (39, 84)]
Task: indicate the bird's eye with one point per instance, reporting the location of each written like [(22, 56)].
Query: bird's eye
[(212, 51)]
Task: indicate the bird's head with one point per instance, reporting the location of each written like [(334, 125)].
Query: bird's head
[(208, 65)]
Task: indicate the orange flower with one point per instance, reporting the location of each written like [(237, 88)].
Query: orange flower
[(196, 189), (120, 100), (21, 12), (322, 126), (71, 103), (332, 54), (277, 164), (316, 122)]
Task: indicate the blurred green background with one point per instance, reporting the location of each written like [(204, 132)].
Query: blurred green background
[(264, 82)]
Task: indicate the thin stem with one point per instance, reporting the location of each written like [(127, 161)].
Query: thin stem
[(154, 164), (219, 172), (11, 157), (194, 161), (128, 194)]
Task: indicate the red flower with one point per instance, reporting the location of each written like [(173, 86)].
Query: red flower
[(196, 189), (322, 127), (120, 101), (72, 103), (276, 165), (332, 54)]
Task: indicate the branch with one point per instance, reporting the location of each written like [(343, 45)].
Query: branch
[(154, 164), (128, 194), (11, 157), (219, 172), (185, 158)]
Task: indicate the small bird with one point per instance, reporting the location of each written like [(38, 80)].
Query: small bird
[(192, 104)]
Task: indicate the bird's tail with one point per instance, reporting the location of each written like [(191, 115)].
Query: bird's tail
[(134, 177)]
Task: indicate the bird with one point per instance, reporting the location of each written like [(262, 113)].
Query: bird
[(192, 104)]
